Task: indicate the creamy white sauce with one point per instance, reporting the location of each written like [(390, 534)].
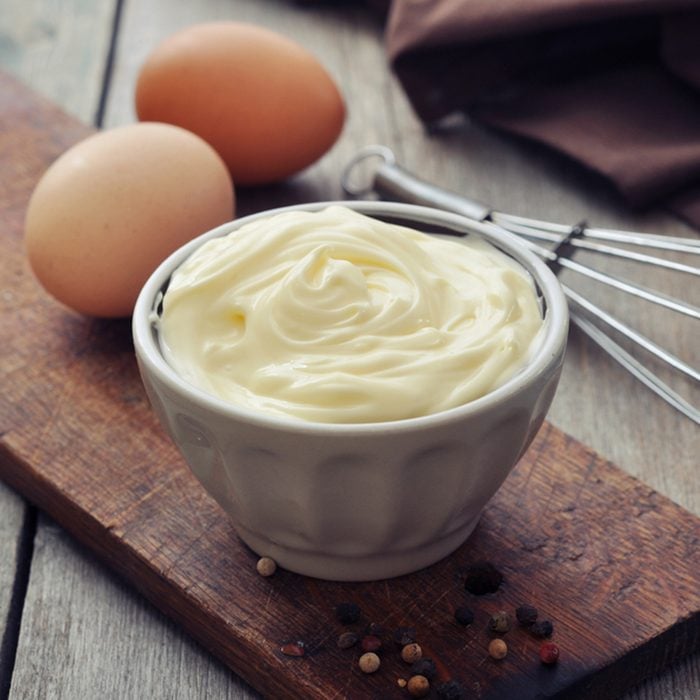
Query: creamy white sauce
[(336, 317)]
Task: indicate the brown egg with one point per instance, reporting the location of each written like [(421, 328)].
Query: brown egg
[(112, 207), (263, 102)]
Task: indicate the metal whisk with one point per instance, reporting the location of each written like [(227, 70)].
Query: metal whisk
[(391, 181)]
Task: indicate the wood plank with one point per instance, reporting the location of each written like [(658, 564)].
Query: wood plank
[(13, 513), (589, 404), (59, 49), (614, 563), (91, 649)]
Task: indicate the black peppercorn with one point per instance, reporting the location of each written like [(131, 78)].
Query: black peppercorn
[(424, 667), (404, 635), (464, 615), (347, 613), (483, 578), (542, 629), (451, 690), (526, 615)]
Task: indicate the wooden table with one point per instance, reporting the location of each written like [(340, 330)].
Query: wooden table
[(72, 629)]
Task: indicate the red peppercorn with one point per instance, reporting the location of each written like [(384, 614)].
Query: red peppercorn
[(293, 649), (370, 643), (549, 653)]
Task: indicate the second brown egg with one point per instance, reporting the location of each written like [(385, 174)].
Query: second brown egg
[(264, 102)]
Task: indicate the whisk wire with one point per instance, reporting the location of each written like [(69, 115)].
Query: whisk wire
[(393, 182)]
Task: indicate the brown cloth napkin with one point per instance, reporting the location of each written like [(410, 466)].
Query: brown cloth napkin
[(614, 84)]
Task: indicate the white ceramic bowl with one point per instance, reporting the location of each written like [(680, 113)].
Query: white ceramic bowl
[(356, 501)]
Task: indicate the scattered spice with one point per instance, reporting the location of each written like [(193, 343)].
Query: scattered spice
[(402, 682), (483, 578), (293, 649), (526, 615), (464, 615), (500, 622), (498, 649), (404, 635), (549, 653), (370, 642), (369, 662), (266, 566), (424, 667), (347, 640), (451, 690), (543, 628), (347, 613), (411, 653), (418, 686)]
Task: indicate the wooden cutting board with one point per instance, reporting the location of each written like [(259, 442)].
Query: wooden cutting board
[(613, 564)]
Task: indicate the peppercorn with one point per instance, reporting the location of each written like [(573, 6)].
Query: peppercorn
[(499, 622), (404, 635), (293, 649), (347, 640), (549, 653), (543, 628), (498, 649), (464, 615), (369, 662), (266, 566), (411, 653), (526, 615), (424, 667), (483, 578), (370, 643), (418, 686), (451, 690), (347, 613), (402, 682)]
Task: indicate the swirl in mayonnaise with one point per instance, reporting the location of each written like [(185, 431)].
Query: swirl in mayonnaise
[(336, 317)]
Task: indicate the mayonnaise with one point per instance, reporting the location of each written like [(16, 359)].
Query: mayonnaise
[(336, 317)]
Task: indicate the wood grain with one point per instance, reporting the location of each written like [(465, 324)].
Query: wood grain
[(13, 513), (612, 562), (62, 660), (59, 49), (597, 402)]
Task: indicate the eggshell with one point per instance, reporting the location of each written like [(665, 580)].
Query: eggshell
[(262, 101), (112, 207)]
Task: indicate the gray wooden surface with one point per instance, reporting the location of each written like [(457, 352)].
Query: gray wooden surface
[(73, 630)]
